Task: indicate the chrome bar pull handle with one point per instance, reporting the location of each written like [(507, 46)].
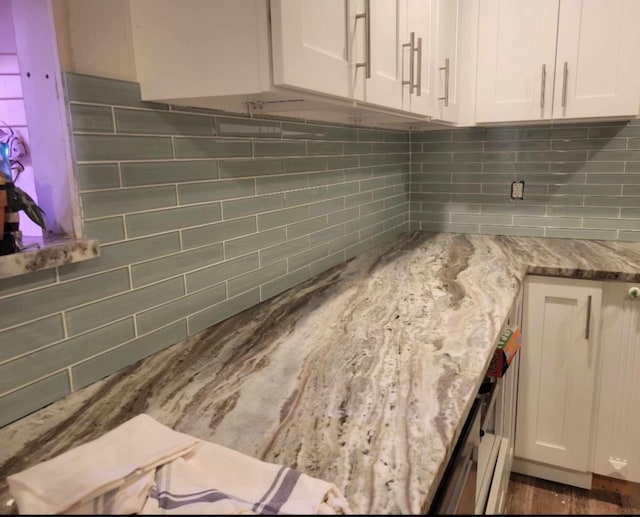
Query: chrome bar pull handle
[(586, 331), (367, 39), (565, 75), (446, 82), (411, 45), (419, 67), (543, 84)]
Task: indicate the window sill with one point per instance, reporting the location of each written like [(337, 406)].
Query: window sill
[(53, 251)]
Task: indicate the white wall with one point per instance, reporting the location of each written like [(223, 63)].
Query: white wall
[(94, 38)]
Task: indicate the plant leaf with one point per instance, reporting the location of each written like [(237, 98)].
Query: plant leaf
[(18, 199)]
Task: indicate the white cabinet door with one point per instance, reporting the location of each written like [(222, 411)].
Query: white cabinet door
[(617, 451), (597, 64), (516, 57), (388, 33), (317, 45), (418, 97), (557, 372)]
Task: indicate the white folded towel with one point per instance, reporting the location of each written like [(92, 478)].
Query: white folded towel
[(111, 474), (143, 466)]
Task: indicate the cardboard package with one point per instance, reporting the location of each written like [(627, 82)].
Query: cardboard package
[(506, 348)]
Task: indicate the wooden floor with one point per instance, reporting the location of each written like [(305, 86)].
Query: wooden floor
[(528, 495)]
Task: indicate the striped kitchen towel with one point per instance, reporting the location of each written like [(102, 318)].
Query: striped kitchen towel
[(145, 467), (215, 480)]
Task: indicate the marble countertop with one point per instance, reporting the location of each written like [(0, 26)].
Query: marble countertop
[(361, 376)]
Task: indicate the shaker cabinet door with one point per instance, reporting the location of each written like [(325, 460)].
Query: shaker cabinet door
[(597, 72), (516, 57), (316, 46), (558, 363), (617, 451)]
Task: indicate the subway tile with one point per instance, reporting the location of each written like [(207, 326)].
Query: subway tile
[(218, 232), (587, 167), (607, 131), (433, 197), (602, 190), (255, 242), (94, 119), (619, 156), (358, 199), (230, 126), (449, 227), (176, 218), (162, 122), (306, 164), (531, 189), (180, 308), (283, 283), (513, 209), (117, 147), (452, 187), (518, 145), (371, 184), (370, 231), (341, 244), (110, 229), (592, 143), (222, 311), (619, 201), (632, 167), (634, 143), (284, 250), (282, 217), (279, 148), (582, 211), (576, 233), (121, 201), (326, 235), (204, 191), (317, 179), (30, 337), (342, 162), (220, 272), (310, 195), (485, 157), (123, 254), (556, 222), (358, 248), (611, 224), (111, 309), (59, 297), (271, 184), (630, 213), (322, 148), (32, 397), (520, 167), (357, 147), (256, 278), (358, 174), (432, 217), (627, 190), (254, 205), (431, 136), (105, 364), (520, 231), (481, 219), (254, 167), (327, 263), (100, 90), (154, 173), (308, 257), (450, 207), (305, 227), (623, 236), (178, 263), (97, 176), (31, 367), (445, 147), (26, 281), (202, 147), (371, 208), (552, 156), (317, 132), (326, 207)]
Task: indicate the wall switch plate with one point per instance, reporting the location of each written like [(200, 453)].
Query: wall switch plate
[(517, 189)]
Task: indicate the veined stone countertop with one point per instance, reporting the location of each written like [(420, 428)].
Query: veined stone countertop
[(361, 376)]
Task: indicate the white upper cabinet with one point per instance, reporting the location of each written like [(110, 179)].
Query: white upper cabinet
[(594, 65), (516, 59), (597, 63), (317, 46)]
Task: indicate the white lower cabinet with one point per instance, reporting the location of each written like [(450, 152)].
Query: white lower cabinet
[(557, 385), (617, 450)]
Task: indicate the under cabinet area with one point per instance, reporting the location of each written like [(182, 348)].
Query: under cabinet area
[(557, 59), (578, 389)]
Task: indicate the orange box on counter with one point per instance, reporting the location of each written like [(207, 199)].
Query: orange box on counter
[(506, 348)]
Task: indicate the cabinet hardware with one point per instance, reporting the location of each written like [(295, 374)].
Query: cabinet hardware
[(565, 73), (367, 39), (446, 82), (586, 331), (411, 45), (419, 71), (543, 86)]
